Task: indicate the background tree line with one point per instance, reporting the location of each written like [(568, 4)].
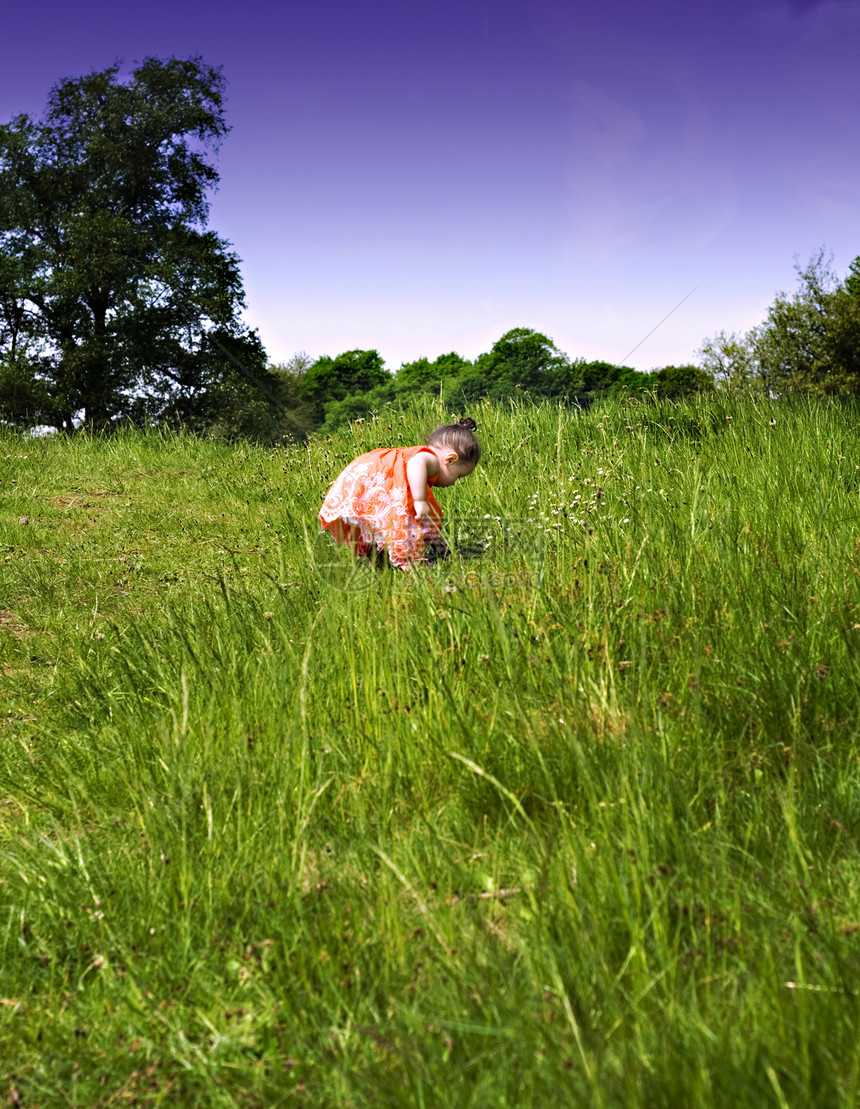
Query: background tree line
[(329, 391), (117, 303), (808, 342)]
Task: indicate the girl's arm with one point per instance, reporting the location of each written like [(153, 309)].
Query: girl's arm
[(419, 469)]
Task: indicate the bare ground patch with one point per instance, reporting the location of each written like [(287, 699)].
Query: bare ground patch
[(11, 622), (67, 499)]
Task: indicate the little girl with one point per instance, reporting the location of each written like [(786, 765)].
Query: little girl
[(383, 498)]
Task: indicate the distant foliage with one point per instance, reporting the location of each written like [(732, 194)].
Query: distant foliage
[(335, 379), (809, 341), (522, 359), (297, 416), (522, 364), (682, 381), (424, 376), (602, 379)]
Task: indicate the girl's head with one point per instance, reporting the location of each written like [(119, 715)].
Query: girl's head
[(460, 438), (457, 449)]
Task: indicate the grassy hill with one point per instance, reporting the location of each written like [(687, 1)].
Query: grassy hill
[(571, 818)]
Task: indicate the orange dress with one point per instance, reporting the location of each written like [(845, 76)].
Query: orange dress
[(370, 504)]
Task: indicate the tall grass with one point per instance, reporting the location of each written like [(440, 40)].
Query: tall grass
[(570, 818)]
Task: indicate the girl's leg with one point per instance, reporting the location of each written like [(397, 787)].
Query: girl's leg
[(348, 533), (379, 559), (437, 550)]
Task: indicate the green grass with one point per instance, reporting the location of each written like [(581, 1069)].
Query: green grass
[(569, 819)]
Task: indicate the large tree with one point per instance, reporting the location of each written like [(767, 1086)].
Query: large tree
[(115, 298)]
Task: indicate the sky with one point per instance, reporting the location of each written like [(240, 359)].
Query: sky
[(421, 176)]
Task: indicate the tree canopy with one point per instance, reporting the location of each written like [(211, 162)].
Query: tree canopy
[(334, 379), (522, 359), (522, 364), (115, 298), (809, 341)]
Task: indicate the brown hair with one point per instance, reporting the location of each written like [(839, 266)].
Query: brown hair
[(460, 438)]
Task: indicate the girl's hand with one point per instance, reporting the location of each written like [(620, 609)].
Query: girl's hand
[(422, 509)]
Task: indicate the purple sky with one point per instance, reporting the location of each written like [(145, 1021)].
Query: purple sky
[(420, 176)]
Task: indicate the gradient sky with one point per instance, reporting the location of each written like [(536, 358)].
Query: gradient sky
[(420, 176)]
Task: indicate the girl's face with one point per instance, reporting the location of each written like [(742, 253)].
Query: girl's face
[(451, 469)]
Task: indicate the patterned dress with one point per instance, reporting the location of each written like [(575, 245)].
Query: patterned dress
[(370, 504)]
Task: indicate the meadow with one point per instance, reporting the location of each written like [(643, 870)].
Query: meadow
[(568, 819)]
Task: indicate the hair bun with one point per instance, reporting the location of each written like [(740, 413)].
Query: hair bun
[(468, 423)]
